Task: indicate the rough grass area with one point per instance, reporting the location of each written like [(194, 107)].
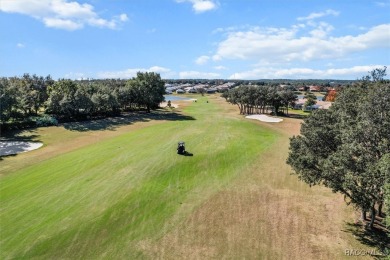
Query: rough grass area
[(116, 189)]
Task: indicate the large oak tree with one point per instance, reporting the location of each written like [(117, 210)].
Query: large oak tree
[(347, 148)]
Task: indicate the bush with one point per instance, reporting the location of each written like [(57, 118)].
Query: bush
[(30, 122), (44, 120)]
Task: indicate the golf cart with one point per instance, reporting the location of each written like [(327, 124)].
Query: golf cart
[(181, 149)]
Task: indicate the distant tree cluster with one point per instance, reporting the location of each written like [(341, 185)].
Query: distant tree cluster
[(323, 83), (347, 147), (28, 96), (255, 99)]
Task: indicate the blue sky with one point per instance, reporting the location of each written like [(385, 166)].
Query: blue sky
[(223, 39)]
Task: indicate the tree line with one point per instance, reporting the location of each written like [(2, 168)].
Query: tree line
[(254, 99), (347, 147), (23, 98)]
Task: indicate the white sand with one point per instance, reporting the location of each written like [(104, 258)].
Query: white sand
[(165, 104), (15, 147), (265, 118)]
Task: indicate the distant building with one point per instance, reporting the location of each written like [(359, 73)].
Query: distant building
[(302, 88), (192, 90), (224, 87), (314, 88), (201, 86), (211, 90)]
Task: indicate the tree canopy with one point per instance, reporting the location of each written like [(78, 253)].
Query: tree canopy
[(259, 99), (27, 96)]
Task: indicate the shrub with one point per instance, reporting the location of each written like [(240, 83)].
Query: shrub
[(44, 120)]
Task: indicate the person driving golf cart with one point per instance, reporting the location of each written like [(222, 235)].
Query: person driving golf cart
[(181, 148)]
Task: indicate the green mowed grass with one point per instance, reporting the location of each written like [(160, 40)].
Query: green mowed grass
[(100, 201)]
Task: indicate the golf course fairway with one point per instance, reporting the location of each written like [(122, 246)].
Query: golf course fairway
[(123, 193)]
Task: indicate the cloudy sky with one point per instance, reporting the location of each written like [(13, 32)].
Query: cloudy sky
[(226, 39)]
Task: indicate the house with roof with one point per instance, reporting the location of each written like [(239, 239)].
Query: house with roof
[(192, 90), (314, 88), (211, 90)]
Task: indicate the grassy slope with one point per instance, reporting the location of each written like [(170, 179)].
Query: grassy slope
[(103, 199)]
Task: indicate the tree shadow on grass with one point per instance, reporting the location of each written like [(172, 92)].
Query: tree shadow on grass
[(377, 238), (127, 118), (295, 116), (26, 135)]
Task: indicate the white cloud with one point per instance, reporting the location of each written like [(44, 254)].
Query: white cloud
[(275, 45), (75, 75), (198, 75), (65, 24), (99, 22), (383, 3), (130, 73), (123, 17), (201, 6), (319, 15), (202, 60), (158, 69), (321, 30), (153, 30), (61, 14), (305, 73), (220, 68), (20, 45)]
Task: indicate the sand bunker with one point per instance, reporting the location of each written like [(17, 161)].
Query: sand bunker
[(265, 118), (165, 104), (15, 147), (175, 105)]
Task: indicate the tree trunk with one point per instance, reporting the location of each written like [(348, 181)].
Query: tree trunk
[(380, 209), (372, 217), (364, 216), (239, 107)]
